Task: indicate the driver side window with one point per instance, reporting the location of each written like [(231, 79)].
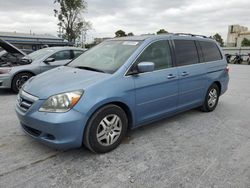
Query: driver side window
[(158, 53), (62, 55)]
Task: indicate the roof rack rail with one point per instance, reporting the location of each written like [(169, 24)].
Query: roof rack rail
[(190, 34)]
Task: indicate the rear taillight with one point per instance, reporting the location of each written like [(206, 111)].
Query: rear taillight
[(227, 68)]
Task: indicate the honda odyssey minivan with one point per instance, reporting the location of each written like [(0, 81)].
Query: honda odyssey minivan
[(121, 83)]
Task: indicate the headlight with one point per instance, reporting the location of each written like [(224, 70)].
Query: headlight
[(62, 102), (5, 71)]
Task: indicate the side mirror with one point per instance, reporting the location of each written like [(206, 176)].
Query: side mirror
[(145, 67), (49, 60), (25, 61)]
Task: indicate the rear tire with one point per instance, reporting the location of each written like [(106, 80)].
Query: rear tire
[(105, 129), (212, 98), (19, 80)]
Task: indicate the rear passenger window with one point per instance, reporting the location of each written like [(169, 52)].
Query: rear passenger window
[(186, 52), (210, 51), (158, 53)]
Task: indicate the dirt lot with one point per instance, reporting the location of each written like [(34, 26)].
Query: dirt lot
[(193, 149)]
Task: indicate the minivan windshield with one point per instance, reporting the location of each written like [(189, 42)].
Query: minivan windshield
[(106, 57), (39, 53)]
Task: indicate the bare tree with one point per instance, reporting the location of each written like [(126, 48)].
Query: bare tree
[(71, 22)]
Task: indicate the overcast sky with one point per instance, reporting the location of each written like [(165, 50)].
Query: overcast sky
[(205, 17)]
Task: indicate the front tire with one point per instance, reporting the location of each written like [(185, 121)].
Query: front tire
[(106, 129), (19, 80), (212, 98)]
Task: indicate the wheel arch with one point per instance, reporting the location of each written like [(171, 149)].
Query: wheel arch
[(219, 85), (127, 110), (19, 72), (120, 104), (22, 71)]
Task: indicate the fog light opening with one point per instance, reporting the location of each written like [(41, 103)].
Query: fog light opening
[(50, 137)]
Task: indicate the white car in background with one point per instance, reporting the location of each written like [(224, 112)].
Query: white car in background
[(14, 74)]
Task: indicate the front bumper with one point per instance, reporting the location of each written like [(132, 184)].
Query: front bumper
[(58, 130), (5, 81)]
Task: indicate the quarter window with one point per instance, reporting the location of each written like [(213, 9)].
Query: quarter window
[(186, 52), (158, 53), (210, 51)]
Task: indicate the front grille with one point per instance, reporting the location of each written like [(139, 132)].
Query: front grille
[(32, 131), (25, 100), (25, 104)]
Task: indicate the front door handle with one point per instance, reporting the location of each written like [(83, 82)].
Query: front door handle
[(184, 73), (171, 76)]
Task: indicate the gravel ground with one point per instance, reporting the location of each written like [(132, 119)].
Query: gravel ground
[(193, 149)]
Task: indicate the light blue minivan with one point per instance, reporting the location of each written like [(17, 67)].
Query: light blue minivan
[(119, 84)]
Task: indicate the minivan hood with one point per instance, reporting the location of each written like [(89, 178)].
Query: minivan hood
[(60, 80)]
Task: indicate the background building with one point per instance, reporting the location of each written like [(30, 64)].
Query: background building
[(236, 34), (32, 41)]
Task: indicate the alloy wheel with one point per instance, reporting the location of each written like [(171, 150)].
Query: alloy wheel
[(212, 98), (20, 81), (109, 130)]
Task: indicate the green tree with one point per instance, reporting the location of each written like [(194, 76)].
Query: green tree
[(120, 33), (245, 42), (130, 34), (71, 22), (161, 31), (219, 39)]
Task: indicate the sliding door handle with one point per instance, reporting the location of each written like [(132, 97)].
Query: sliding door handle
[(171, 76), (184, 73)]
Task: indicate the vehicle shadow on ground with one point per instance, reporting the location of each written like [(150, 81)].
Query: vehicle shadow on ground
[(130, 138), (132, 134), (5, 92), (83, 154), (167, 122)]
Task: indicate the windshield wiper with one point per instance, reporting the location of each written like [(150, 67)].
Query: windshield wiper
[(89, 68)]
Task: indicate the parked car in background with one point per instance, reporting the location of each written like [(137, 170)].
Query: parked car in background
[(14, 74), (122, 83)]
